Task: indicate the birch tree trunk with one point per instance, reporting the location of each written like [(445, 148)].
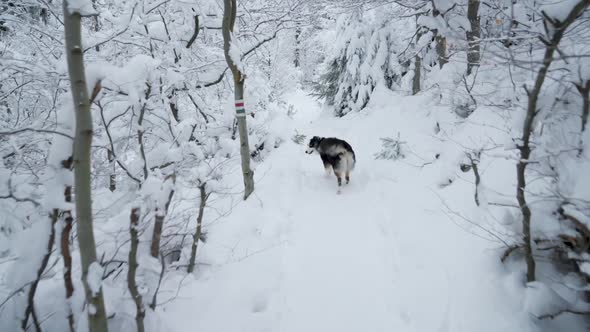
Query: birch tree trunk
[(229, 18), (97, 321)]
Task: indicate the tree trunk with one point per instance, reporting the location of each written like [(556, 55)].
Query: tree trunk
[(441, 41), (584, 90), (416, 79), (113, 175), (525, 147), (65, 250), (30, 310), (97, 320), (417, 61), (159, 225), (297, 60), (131, 272), (229, 17), (473, 35), (197, 236), (441, 49)]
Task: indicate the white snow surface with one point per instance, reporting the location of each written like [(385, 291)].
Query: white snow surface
[(84, 7), (94, 277), (382, 256)]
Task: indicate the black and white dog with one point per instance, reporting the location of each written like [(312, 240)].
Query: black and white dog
[(337, 155)]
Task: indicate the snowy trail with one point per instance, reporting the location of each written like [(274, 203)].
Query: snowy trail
[(373, 258), (336, 272), (382, 256)]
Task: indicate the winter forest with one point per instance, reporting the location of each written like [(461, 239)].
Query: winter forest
[(153, 173)]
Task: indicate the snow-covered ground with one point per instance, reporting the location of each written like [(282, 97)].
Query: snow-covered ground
[(383, 256)]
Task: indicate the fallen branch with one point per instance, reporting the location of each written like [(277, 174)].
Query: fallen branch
[(565, 311)]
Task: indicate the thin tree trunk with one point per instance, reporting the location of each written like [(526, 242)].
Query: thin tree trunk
[(162, 270), (97, 320), (229, 17), (197, 236), (54, 217), (441, 41), (474, 163), (416, 79), (441, 49), (30, 310), (159, 225), (585, 93), (558, 30), (140, 131), (112, 176), (297, 59), (473, 35), (65, 250), (417, 61), (132, 271)]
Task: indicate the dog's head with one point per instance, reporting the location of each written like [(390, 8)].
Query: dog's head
[(313, 145)]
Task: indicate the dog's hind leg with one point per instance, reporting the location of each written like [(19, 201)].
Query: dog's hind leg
[(347, 176), (327, 165), (339, 177)]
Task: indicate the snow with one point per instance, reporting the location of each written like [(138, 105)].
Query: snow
[(541, 300), (380, 257), (83, 7), (235, 53), (558, 9), (94, 277), (404, 247)]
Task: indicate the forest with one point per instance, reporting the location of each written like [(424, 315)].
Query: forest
[(153, 174)]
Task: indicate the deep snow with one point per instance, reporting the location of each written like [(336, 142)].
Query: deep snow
[(385, 255)]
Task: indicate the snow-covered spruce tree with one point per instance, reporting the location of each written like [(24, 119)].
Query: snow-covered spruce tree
[(364, 56)]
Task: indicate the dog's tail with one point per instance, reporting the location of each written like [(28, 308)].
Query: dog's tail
[(350, 160)]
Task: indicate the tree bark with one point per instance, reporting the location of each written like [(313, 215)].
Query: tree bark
[(297, 60), (159, 225), (132, 271), (30, 310), (441, 41), (474, 162), (417, 61), (229, 17), (97, 321), (473, 35), (113, 175), (197, 236), (558, 29), (65, 250), (416, 78), (584, 90)]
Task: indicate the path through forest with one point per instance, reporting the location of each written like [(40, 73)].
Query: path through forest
[(382, 256)]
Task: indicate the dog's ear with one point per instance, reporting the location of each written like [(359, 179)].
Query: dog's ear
[(312, 141)]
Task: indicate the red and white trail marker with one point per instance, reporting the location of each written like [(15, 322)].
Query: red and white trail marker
[(240, 110)]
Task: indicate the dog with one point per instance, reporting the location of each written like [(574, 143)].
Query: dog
[(337, 156)]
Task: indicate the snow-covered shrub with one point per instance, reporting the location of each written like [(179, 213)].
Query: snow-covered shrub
[(391, 148), (298, 138)]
